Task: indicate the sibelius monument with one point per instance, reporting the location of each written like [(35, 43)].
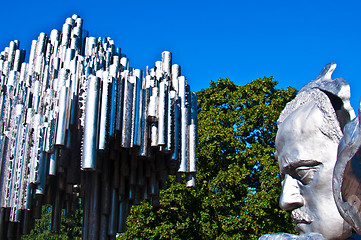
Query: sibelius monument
[(77, 122)]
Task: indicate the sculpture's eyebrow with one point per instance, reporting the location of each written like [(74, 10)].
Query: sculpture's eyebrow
[(300, 163)]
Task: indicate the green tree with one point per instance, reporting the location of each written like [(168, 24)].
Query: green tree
[(238, 182), (70, 227)]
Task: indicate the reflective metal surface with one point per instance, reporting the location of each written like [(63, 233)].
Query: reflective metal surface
[(78, 122)]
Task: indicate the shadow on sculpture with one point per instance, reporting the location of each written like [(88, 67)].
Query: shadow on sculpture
[(347, 175)]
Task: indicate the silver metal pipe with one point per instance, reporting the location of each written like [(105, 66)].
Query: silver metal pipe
[(122, 214), (154, 135), (113, 107), (62, 78), (145, 189), (144, 146), (73, 100), (116, 172), (176, 72), (122, 187), (154, 187), (152, 117), (54, 36), (162, 114), (65, 34), (91, 124), (133, 169), (11, 53), (183, 125), (12, 81), (91, 43), (36, 150), (36, 96), (86, 206), (61, 126), (70, 21), (19, 59), (140, 172), (136, 117), (16, 166), (127, 111), (124, 163), (120, 103), (167, 63), (158, 70), (53, 162), (93, 223), (131, 194), (56, 212), (193, 133), (70, 54), (148, 81), (113, 218), (42, 171), (170, 128), (41, 46), (125, 63), (104, 112)]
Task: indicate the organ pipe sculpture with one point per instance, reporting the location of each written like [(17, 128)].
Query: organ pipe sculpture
[(77, 122)]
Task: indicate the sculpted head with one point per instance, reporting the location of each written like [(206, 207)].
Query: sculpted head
[(307, 140)]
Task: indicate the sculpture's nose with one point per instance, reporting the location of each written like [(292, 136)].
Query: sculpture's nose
[(291, 197)]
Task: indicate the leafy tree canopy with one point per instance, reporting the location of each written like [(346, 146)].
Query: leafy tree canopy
[(70, 227), (238, 182)]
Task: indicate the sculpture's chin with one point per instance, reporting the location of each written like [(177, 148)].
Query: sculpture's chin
[(302, 228), (308, 228)]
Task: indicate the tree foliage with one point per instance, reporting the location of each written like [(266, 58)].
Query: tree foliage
[(70, 227), (238, 183)]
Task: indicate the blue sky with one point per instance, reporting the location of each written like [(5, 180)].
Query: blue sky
[(239, 40)]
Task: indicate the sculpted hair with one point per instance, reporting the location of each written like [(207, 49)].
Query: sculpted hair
[(331, 126), (332, 97)]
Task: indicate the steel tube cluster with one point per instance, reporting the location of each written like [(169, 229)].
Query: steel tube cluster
[(77, 122)]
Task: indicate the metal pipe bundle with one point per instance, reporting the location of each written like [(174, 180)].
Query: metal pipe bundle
[(77, 121)]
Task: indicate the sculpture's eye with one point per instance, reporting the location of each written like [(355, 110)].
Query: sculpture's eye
[(306, 173)]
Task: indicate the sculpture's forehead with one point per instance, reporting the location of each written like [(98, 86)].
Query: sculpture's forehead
[(299, 136), (302, 123)]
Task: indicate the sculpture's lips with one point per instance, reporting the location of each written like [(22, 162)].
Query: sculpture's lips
[(300, 217), (297, 221)]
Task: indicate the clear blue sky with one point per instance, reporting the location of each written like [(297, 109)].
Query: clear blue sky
[(239, 40)]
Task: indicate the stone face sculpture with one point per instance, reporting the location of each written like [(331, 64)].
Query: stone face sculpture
[(310, 128)]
